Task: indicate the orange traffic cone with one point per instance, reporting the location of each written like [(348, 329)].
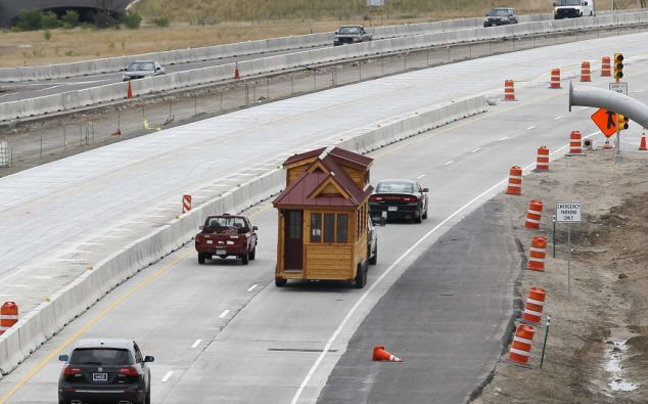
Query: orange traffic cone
[(379, 354), (642, 144), (130, 91), (117, 132), (237, 74)]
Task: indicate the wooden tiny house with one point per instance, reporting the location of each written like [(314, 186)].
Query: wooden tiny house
[(323, 217)]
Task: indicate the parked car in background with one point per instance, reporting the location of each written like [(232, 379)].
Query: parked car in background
[(226, 236), (350, 34), (143, 68), (500, 16), (400, 199), (105, 371)]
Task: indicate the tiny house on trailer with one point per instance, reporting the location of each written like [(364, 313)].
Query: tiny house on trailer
[(324, 217)]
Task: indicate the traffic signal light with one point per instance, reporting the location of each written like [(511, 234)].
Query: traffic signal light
[(618, 66), (623, 122)]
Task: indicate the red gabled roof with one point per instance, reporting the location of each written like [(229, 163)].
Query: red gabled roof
[(299, 192)]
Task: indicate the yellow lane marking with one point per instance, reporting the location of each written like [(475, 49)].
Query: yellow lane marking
[(101, 315)]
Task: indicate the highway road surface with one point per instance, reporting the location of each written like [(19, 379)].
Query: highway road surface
[(223, 332)]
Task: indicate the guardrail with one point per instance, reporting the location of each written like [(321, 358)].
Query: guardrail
[(70, 101), (116, 64), (42, 323)]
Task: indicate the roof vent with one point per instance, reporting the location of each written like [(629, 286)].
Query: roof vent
[(326, 152)]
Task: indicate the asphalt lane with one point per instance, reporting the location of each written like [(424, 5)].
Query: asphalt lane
[(280, 345)]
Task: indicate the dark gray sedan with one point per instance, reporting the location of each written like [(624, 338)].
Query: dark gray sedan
[(350, 34), (143, 68), (399, 199)]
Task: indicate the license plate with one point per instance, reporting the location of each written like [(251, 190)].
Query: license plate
[(392, 208), (221, 252), (100, 377), (210, 241)]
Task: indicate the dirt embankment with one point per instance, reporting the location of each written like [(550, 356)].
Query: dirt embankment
[(597, 349)]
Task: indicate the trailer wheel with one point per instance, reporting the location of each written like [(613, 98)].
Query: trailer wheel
[(361, 276), (201, 258), (279, 282)]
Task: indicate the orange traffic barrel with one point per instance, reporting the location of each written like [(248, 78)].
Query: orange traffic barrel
[(520, 351), (534, 305), (586, 74), (542, 161), (575, 143), (534, 214), (537, 254), (555, 79), (8, 316), (509, 90), (515, 181), (606, 68)]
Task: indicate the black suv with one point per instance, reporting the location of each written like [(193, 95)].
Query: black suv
[(500, 16), (349, 34), (105, 371)]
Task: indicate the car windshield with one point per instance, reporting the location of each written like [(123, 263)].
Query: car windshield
[(499, 12), (569, 2), (226, 222), (349, 30), (101, 357), (395, 186), (141, 66)]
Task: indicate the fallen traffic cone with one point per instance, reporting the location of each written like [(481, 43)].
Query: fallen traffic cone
[(237, 74), (117, 133), (379, 354), (642, 144), (130, 91)]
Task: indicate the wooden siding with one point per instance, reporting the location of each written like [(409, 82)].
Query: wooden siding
[(294, 173), (329, 261), (357, 176)]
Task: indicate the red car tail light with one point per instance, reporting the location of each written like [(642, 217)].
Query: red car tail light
[(409, 199), (375, 198), (70, 371), (129, 371)]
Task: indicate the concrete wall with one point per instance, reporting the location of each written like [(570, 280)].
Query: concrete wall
[(41, 324)]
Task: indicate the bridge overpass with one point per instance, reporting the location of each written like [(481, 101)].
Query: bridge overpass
[(10, 9)]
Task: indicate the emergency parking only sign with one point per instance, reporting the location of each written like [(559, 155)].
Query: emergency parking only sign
[(568, 212)]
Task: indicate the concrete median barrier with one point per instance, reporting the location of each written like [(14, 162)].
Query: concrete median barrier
[(39, 325)]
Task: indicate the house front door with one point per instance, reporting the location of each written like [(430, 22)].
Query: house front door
[(293, 240)]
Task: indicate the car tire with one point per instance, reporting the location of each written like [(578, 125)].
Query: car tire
[(201, 258), (419, 217), (245, 258), (147, 399), (374, 260), (253, 254), (425, 214), (361, 277), (280, 282)]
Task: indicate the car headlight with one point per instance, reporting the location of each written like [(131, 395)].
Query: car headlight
[(356, 39)]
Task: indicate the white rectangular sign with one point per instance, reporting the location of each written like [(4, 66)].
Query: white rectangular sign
[(619, 88), (375, 3), (568, 212)]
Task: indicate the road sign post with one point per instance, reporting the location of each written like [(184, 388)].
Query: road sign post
[(568, 212)]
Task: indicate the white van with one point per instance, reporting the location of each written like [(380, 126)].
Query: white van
[(573, 8)]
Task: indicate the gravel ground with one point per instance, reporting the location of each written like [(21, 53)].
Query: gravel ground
[(597, 347)]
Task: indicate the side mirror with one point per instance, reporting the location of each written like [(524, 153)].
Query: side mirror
[(64, 358), (254, 228), (336, 32), (201, 227), (426, 189), (149, 359)]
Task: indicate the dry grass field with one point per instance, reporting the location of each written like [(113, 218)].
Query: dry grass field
[(196, 23)]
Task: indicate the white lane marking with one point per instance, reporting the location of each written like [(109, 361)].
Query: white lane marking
[(502, 138), (420, 176), (476, 150), (362, 298), (195, 344), (167, 376), (530, 128), (251, 288), (47, 88), (558, 117), (223, 314), (447, 163)]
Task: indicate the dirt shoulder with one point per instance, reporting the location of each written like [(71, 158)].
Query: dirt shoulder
[(597, 347)]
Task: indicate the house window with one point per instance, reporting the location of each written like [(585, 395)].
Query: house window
[(342, 228), (316, 228), (329, 227)]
